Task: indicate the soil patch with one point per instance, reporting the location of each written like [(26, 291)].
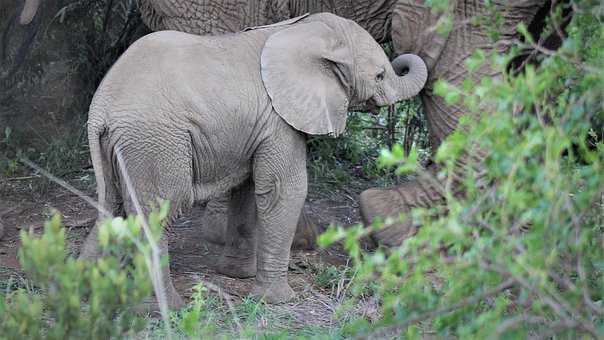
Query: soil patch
[(192, 258)]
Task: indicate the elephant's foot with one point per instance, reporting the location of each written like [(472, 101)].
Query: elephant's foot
[(274, 292), (174, 300), (237, 267), (306, 233), (384, 203), (150, 305), (215, 224), (90, 250), (394, 203)]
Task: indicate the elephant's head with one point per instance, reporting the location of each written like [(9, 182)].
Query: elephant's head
[(319, 68)]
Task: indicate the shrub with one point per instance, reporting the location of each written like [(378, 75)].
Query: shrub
[(354, 153), (523, 256), (111, 285)]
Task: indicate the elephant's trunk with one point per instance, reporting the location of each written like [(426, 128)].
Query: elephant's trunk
[(30, 8), (417, 73)]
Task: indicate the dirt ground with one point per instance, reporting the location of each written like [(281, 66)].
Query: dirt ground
[(191, 257)]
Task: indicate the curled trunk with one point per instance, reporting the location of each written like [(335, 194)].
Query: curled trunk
[(416, 75)]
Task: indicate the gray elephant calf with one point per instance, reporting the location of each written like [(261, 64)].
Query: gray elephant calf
[(194, 117)]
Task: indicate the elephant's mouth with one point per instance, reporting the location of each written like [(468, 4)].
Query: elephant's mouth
[(369, 106)]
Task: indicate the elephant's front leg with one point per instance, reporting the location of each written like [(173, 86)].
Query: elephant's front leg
[(239, 253), (280, 187)]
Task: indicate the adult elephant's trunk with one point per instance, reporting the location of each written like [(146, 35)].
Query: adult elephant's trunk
[(30, 8), (415, 78)]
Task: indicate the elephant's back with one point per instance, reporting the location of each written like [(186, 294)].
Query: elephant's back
[(188, 69)]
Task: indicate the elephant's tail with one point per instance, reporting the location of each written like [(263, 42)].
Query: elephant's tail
[(97, 127)]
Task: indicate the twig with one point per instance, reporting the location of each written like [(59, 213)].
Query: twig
[(65, 185), (513, 322), (561, 308), (228, 300), (22, 178), (153, 264), (444, 310), (575, 220)]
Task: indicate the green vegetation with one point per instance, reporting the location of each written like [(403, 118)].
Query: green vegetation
[(78, 299), (63, 156), (334, 162), (522, 253)]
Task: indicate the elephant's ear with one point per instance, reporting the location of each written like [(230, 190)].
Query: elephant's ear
[(307, 72)]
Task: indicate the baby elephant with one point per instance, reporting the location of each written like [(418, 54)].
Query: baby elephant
[(194, 117)]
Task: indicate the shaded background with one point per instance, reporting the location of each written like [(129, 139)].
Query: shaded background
[(50, 68)]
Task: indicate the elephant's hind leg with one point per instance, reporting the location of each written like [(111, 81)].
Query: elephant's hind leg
[(239, 253), (110, 200), (158, 173)]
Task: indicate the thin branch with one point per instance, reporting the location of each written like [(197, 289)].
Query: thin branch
[(228, 299), (515, 321), (575, 220), (444, 310), (155, 265), (561, 308), (65, 185)]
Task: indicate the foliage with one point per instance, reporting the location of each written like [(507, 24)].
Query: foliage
[(44, 99), (355, 153), (520, 253), (95, 299), (63, 156), (110, 285), (216, 316)]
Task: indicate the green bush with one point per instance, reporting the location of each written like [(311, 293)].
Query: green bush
[(355, 152), (80, 299), (524, 255)]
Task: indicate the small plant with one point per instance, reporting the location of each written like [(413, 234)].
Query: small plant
[(331, 277), (79, 299), (9, 166), (199, 319), (354, 154)]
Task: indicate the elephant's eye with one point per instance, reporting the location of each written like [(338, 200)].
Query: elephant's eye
[(380, 76)]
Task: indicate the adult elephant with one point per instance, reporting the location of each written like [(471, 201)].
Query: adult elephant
[(409, 25)]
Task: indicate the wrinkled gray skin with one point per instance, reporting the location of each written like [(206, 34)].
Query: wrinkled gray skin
[(195, 117), (408, 24)]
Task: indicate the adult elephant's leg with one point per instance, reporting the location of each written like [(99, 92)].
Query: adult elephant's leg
[(215, 220), (280, 187), (239, 253), (306, 234), (149, 173), (397, 203)]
